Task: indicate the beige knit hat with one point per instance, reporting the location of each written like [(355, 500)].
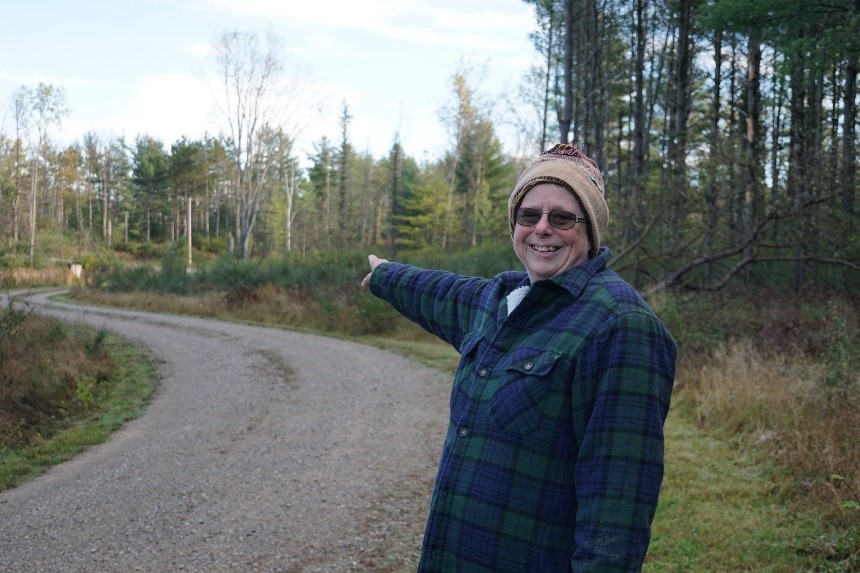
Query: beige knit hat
[(567, 166)]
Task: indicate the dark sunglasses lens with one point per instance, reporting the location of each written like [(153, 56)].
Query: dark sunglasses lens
[(528, 217), (562, 220)]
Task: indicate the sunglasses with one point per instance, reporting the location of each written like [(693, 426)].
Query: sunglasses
[(557, 219)]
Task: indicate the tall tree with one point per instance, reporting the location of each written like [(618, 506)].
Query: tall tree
[(150, 171), (320, 174), (679, 106), (255, 94), (395, 157), (42, 110), (545, 40), (848, 172), (462, 115), (344, 157), (188, 175)]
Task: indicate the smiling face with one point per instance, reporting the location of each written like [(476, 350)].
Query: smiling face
[(544, 250)]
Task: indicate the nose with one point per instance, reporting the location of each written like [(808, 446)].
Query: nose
[(543, 227)]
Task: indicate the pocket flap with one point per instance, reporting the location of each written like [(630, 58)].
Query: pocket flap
[(534, 362)]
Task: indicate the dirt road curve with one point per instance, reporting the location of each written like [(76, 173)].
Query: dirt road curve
[(264, 450)]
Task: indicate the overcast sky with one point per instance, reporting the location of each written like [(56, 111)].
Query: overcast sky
[(138, 66)]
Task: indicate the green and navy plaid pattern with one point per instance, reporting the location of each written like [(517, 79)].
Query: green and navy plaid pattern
[(553, 457)]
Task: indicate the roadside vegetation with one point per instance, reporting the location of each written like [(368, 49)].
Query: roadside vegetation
[(63, 388), (763, 454)]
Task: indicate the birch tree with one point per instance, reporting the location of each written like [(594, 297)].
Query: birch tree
[(256, 93), (42, 110)]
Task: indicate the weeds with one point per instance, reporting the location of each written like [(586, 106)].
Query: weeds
[(51, 375), (852, 504), (91, 404), (11, 319), (841, 354), (783, 402)]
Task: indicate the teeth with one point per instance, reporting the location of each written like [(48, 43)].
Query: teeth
[(545, 249)]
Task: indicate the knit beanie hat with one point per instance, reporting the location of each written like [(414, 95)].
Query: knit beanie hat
[(567, 166)]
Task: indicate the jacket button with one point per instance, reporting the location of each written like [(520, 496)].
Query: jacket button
[(463, 432), (483, 372), (528, 366)]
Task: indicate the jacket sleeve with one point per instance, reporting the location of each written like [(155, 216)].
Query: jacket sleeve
[(626, 373), (441, 302)]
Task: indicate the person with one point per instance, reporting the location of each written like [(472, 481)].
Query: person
[(553, 457)]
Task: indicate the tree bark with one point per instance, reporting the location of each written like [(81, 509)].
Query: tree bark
[(565, 116), (848, 172)]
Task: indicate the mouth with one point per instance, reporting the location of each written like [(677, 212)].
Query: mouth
[(544, 248)]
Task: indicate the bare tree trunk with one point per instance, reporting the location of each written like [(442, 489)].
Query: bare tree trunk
[(712, 189), (450, 203), (848, 172), (599, 94), (188, 229), (15, 210), (80, 211), (477, 203), (290, 191), (34, 176), (208, 210), (549, 46), (639, 167), (565, 116), (396, 183), (752, 140), (680, 103)]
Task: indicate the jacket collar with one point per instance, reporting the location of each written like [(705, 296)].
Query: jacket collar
[(574, 280)]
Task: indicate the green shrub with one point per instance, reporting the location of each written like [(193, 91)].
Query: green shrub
[(11, 319), (375, 316), (125, 279), (173, 276), (484, 261)]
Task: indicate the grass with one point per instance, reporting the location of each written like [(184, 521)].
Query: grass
[(720, 511), (766, 411), (721, 508), (119, 397)]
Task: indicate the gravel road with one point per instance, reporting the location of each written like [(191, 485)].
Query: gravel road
[(263, 450)]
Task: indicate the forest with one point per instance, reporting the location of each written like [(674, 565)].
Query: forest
[(726, 131)]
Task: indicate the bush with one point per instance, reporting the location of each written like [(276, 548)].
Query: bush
[(51, 374), (484, 261), (11, 319), (173, 277)]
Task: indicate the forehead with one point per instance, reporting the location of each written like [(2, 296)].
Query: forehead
[(550, 196)]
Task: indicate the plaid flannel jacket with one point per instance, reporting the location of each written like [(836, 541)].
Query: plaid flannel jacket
[(553, 457)]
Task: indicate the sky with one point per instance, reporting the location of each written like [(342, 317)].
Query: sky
[(136, 67)]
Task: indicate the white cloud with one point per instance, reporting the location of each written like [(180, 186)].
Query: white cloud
[(166, 107), (171, 106), (390, 60)]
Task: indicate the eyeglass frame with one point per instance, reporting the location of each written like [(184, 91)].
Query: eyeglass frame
[(574, 218)]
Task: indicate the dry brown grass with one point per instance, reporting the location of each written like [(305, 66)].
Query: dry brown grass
[(51, 373), (332, 311), (785, 406), (27, 277)]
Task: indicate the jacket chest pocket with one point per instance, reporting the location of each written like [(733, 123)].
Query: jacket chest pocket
[(519, 400)]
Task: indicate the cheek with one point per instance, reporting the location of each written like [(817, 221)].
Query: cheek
[(519, 236)]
